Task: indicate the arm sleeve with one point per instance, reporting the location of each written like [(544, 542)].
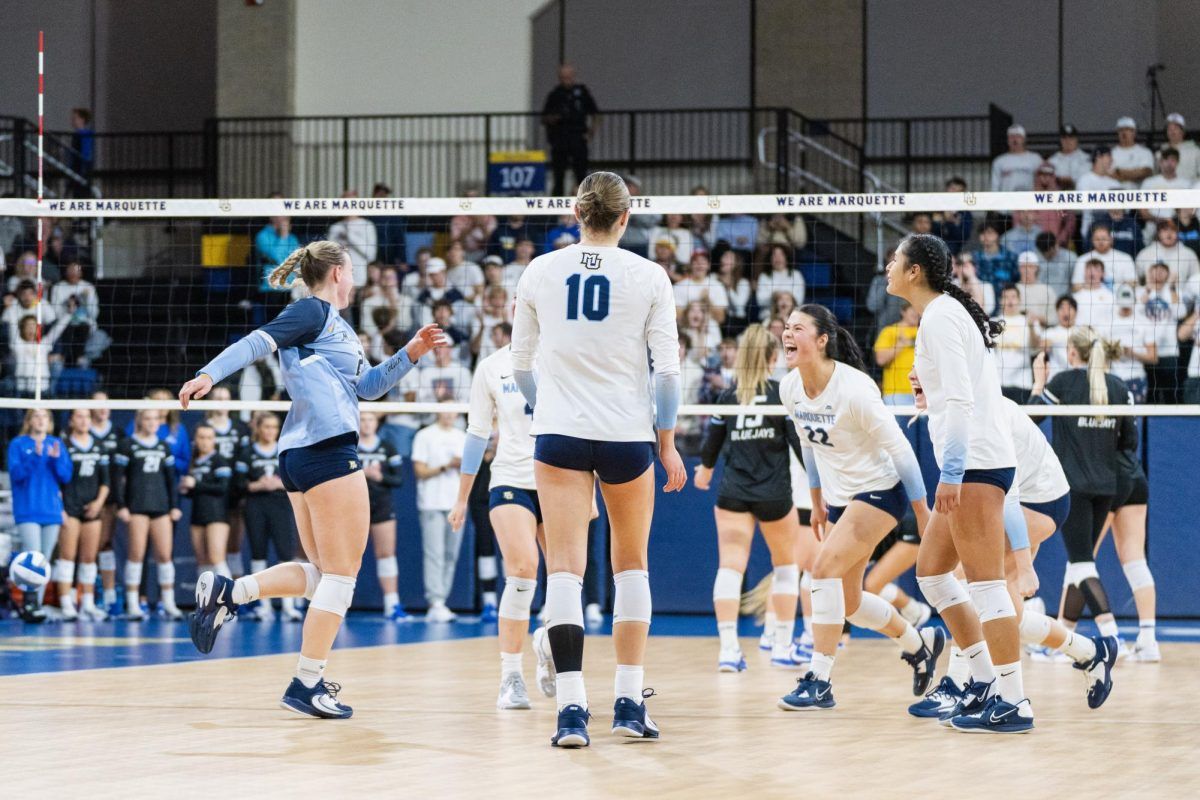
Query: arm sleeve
[(951, 357), (482, 410), (883, 429), (1127, 432), (63, 468), (714, 439), (1015, 527), (300, 322), (809, 457), (18, 467), (662, 337), (473, 450), (666, 401), (379, 380), (104, 472), (120, 474), (526, 330), (241, 473)]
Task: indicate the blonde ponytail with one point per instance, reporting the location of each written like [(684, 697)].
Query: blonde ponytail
[(314, 261), (1097, 352), (756, 352)]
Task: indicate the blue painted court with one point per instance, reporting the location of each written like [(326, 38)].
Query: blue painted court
[(28, 649)]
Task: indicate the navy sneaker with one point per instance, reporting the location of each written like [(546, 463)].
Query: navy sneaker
[(489, 613), (944, 697), (572, 727), (997, 716), (631, 720), (1098, 671), (975, 696), (924, 661), (809, 693), (320, 701), (214, 607)]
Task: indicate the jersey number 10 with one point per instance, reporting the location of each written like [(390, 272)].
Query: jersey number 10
[(594, 302)]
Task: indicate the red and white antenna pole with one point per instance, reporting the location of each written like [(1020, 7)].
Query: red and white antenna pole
[(41, 237)]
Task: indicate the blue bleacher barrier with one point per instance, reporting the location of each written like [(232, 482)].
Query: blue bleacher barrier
[(817, 274), (75, 382)]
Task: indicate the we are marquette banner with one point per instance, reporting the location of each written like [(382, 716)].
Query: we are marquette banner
[(887, 203)]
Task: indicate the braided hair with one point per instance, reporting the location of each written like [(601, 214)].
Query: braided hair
[(841, 345), (931, 253)]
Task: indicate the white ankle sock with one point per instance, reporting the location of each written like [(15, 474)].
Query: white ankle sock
[(390, 601), (222, 568), (1146, 632), (783, 635), (1008, 682), (489, 598), (822, 666), (979, 662), (1108, 627), (133, 603), (88, 601), (569, 690), (510, 663), (909, 641), (1079, 648), (110, 597), (728, 633), (245, 590), (959, 670), (310, 670), (628, 682)]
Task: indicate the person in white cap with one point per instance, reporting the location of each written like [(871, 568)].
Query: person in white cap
[(1132, 162), (1069, 162), (1139, 345), (1189, 153), (1037, 299), (1013, 171)]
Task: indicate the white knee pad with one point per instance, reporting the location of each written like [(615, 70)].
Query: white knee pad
[(1138, 574), (564, 594), (890, 592), (943, 591), (166, 574), (312, 579), (787, 580), (873, 613), (828, 602), (108, 561), (64, 571), (1079, 571), (485, 568), (806, 581), (133, 573), (631, 601), (1035, 627), (387, 567), (334, 594), (992, 600), (516, 598), (87, 574), (727, 585)]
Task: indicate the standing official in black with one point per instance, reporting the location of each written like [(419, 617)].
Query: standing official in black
[(568, 116)]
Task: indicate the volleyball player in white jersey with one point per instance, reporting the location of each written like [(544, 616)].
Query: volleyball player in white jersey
[(863, 474), (975, 453), (515, 514), (1034, 509), (596, 318)]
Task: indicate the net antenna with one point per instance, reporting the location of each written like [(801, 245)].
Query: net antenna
[(41, 236)]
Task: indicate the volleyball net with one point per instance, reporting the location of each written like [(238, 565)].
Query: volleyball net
[(133, 296)]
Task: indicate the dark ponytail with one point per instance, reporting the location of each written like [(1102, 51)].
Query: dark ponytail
[(931, 253), (841, 345)]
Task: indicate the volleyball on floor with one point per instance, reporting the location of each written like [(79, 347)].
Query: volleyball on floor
[(29, 570)]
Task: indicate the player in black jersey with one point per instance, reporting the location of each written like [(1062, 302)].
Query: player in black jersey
[(232, 436), (756, 486), (207, 484), (1128, 522), (381, 466), (269, 516), (109, 437), (148, 502), (1089, 448), (83, 499)]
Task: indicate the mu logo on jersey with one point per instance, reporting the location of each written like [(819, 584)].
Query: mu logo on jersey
[(590, 260)]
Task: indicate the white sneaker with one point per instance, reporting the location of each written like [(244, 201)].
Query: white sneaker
[(592, 615), (67, 607), (171, 612), (439, 613), (92, 614), (513, 694), (731, 660), (546, 675), (1146, 652), (290, 612), (916, 613), (767, 640)]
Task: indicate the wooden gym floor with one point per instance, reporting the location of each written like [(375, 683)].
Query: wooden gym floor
[(425, 726)]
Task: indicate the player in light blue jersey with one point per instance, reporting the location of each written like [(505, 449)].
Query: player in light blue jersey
[(325, 371)]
